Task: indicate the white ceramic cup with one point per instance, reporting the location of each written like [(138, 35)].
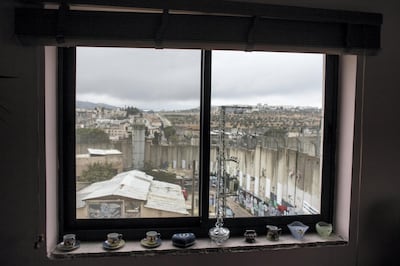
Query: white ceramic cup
[(69, 240), (113, 239)]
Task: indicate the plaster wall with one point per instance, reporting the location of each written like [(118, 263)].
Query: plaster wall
[(376, 193)]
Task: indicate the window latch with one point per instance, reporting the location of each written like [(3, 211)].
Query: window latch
[(38, 242)]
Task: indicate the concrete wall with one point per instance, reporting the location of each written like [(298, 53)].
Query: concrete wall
[(83, 162), (159, 155), (261, 163), (279, 167), (374, 219), (124, 146)]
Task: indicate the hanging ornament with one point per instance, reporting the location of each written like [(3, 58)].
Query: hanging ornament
[(220, 234)]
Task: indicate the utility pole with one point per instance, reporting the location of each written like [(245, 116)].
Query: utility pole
[(220, 234), (222, 177), (193, 183)]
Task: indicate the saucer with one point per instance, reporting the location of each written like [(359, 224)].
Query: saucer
[(109, 247), (62, 247), (147, 244)]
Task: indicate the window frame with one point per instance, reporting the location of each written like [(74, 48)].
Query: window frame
[(134, 228)]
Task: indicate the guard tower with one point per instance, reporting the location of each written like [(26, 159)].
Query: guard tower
[(138, 142)]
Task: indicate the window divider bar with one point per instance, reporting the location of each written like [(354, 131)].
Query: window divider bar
[(330, 136), (204, 168), (66, 136)]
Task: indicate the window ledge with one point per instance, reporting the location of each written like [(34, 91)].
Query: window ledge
[(204, 245)]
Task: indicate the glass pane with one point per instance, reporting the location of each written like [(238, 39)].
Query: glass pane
[(137, 132), (265, 157)]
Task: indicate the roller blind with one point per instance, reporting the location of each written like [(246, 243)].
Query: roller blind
[(205, 25)]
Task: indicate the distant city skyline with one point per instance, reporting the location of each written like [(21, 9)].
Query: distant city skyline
[(168, 79), (91, 105)]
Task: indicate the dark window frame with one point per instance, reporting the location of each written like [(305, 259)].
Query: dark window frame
[(96, 229)]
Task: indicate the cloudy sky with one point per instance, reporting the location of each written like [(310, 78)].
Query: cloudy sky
[(170, 79)]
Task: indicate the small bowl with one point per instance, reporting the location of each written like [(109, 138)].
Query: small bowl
[(323, 229), (250, 236), (298, 229)]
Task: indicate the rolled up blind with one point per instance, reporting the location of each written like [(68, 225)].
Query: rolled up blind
[(204, 25)]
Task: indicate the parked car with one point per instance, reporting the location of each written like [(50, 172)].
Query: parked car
[(229, 213), (213, 181)]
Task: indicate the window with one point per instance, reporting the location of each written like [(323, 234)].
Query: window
[(154, 139), (269, 109), (253, 159), (137, 132)]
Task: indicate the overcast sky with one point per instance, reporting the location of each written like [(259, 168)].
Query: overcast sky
[(170, 79)]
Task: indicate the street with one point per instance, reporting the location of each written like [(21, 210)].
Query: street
[(236, 208)]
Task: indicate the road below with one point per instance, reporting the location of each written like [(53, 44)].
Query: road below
[(236, 208)]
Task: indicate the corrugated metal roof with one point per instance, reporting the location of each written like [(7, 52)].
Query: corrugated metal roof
[(133, 184), (166, 197), (87, 191), (140, 186), (101, 152)]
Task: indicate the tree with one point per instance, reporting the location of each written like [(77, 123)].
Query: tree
[(169, 132), (163, 176), (130, 110), (157, 138), (275, 132), (98, 172), (91, 136)]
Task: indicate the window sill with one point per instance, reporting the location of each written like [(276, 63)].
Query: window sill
[(205, 245)]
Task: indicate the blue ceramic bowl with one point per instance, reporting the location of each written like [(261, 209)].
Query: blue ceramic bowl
[(298, 229)]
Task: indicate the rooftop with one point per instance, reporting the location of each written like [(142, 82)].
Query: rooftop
[(139, 186), (101, 152)]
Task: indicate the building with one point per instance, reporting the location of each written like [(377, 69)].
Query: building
[(132, 194)]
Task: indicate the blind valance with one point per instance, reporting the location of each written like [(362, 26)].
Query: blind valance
[(205, 25)]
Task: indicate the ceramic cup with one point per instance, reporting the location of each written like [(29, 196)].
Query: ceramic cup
[(250, 236), (113, 239), (152, 237), (323, 229), (273, 232), (69, 240)]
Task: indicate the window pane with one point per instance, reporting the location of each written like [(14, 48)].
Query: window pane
[(137, 132), (266, 133)]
